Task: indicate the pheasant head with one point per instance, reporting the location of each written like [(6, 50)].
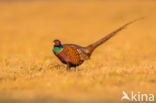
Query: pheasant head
[(58, 47)]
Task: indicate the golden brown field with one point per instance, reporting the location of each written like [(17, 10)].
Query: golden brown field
[(30, 73)]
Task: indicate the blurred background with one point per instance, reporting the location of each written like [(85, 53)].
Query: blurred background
[(30, 73)]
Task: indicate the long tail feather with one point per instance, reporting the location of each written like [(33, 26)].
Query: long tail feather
[(91, 47)]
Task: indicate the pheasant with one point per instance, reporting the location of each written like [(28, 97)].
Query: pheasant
[(74, 55)]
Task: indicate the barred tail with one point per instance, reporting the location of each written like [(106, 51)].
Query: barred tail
[(93, 46)]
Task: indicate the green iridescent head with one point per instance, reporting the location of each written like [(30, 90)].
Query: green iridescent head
[(57, 46)]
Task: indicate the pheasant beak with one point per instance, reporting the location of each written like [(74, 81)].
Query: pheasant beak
[(53, 43)]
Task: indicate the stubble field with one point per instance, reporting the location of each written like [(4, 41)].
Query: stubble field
[(30, 73)]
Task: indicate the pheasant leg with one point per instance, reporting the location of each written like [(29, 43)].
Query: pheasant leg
[(68, 66)]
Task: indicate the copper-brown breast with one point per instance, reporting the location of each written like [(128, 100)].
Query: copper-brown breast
[(70, 54)]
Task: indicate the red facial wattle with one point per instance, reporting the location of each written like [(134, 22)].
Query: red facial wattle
[(57, 43)]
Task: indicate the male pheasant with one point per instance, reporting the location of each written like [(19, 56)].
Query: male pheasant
[(74, 55)]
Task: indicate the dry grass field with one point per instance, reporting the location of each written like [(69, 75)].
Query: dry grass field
[(30, 73)]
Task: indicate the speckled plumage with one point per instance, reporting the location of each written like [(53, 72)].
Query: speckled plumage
[(71, 54), (74, 55)]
